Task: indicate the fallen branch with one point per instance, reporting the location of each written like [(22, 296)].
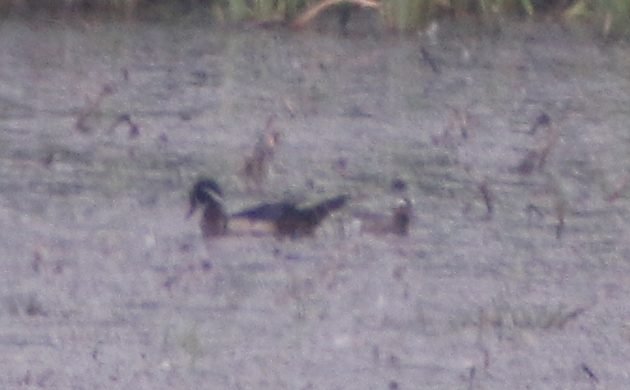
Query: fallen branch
[(622, 187), (312, 12)]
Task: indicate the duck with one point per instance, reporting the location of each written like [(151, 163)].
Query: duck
[(287, 219), (281, 219)]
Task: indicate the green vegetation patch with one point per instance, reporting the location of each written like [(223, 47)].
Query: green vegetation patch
[(610, 17)]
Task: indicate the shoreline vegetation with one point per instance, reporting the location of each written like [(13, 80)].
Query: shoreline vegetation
[(608, 17)]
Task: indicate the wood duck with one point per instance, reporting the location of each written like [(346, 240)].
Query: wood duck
[(283, 219), (286, 219)]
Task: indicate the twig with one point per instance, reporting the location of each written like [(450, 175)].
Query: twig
[(552, 139), (426, 57), (616, 194), (92, 108), (488, 197), (471, 378), (542, 120), (312, 12), (589, 372), (134, 129), (532, 209)]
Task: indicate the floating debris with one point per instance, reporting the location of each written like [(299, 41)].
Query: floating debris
[(256, 166)]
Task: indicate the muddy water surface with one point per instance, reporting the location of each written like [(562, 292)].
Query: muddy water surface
[(510, 275)]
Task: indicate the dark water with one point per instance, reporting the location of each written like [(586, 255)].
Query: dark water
[(105, 284)]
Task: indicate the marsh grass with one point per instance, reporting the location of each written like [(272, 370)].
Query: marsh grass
[(404, 15), (503, 315), (610, 17), (507, 319)]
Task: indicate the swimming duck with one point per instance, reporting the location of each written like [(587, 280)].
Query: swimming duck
[(283, 219), (286, 219)]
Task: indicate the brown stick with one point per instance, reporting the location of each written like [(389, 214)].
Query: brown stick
[(312, 12), (552, 139), (621, 188), (92, 108), (488, 197)]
